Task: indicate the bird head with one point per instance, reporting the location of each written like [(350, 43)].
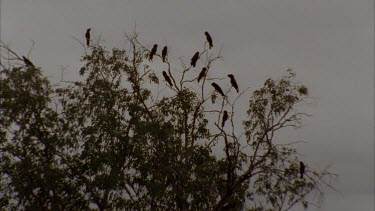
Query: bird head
[(230, 75), (89, 29)]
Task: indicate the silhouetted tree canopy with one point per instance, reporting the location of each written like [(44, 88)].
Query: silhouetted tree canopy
[(117, 139)]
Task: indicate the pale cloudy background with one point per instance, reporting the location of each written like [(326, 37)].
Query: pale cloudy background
[(329, 44)]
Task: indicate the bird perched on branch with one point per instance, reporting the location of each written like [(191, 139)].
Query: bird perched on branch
[(218, 89), (164, 53), (209, 39), (225, 118), (167, 79), (194, 59), (87, 35), (301, 168), (202, 74), (233, 81), (27, 62), (153, 52)]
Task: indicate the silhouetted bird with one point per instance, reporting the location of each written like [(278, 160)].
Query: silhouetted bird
[(153, 51), (233, 81), (202, 74), (27, 62), (164, 53), (209, 39), (301, 168), (225, 117), (218, 89), (166, 77), (194, 59), (87, 35)]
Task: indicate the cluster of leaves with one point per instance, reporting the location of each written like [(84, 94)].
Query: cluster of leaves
[(106, 143)]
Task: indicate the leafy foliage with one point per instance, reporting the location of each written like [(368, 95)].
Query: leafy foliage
[(108, 142)]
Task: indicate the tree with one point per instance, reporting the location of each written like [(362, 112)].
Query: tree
[(109, 141)]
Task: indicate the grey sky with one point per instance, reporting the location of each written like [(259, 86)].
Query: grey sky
[(329, 44)]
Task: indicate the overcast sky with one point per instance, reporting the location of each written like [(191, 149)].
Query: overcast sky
[(329, 44)]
